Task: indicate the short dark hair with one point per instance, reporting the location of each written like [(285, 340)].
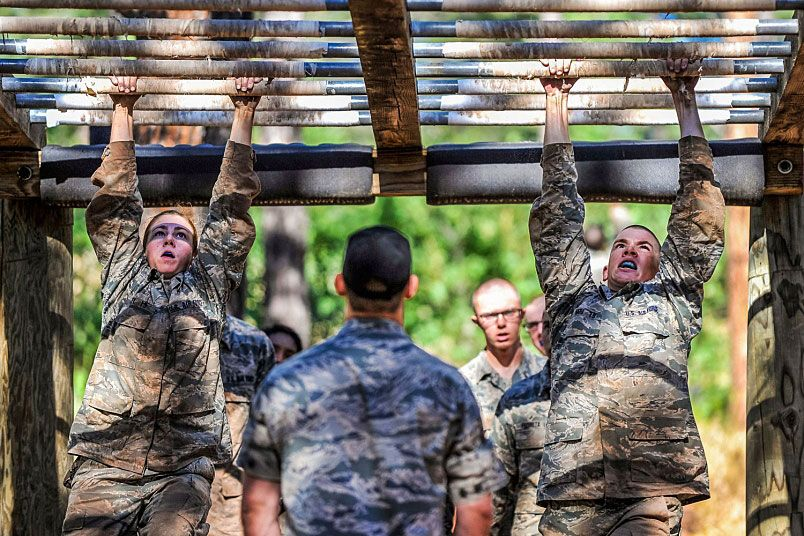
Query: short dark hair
[(287, 330), (637, 226)]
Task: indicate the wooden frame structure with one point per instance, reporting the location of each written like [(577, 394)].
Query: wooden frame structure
[(394, 69)]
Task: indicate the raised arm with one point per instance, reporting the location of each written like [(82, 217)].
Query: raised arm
[(229, 231), (696, 227), (113, 216), (556, 219)]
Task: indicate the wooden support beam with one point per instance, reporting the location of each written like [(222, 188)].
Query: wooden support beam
[(15, 126), (784, 169), (775, 448), (19, 173), (36, 365), (382, 32), (785, 123)]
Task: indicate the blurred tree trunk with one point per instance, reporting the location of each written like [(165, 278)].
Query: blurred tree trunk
[(285, 229)]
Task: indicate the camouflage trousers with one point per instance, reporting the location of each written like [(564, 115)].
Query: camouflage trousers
[(651, 516), (227, 496), (107, 501)]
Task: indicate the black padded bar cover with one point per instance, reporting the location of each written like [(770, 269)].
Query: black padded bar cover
[(645, 172), (293, 174)]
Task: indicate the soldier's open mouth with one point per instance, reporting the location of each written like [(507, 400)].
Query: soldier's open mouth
[(169, 254), (629, 265)]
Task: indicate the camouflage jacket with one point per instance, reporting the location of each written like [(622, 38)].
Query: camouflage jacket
[(154, 398), (246, 357), (518, 439), (371, 430), (620, 422), (488, 386)]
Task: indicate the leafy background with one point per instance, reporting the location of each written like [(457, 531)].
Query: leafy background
[(454, 250)]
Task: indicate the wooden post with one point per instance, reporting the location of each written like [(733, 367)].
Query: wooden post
[(36, 365), (775, 383)]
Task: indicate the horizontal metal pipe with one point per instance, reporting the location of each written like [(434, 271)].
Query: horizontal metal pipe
[(592, 68), (68, 101), (301, 69), (599, 50), (587, 29), (357, 118), (509, 29), (470, 86), (162, 28), (467, 86), (588, 117), (460, 50), (211, 119), (654, 6), (178, 68), (649, 6)]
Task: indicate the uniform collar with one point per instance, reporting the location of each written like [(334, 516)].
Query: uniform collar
[(528, 367)]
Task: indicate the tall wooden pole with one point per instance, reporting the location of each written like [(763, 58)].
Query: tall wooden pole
[(36, 365), (775, 436)]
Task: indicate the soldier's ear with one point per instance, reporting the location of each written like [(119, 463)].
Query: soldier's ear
[(340, 285), (412, 287), (605, 273)]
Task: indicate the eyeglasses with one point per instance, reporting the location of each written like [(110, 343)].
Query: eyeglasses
[(509, 315), (534, 324)]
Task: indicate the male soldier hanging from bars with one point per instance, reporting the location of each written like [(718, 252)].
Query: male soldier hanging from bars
[(622, 452)]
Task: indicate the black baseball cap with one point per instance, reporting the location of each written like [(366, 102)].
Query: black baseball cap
[(377, 262)]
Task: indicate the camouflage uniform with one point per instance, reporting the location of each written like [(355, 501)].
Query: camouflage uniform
[(246, 357), (488, 386), (620, 424), (154, 403), (367, 434), (518, 439)]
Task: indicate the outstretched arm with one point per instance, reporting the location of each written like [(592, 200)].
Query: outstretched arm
[(556, 219), (113, 216), (696, 227), (229, 231)]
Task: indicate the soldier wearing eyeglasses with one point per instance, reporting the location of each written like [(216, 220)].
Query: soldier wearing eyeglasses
[(504, 361), (534, 324)]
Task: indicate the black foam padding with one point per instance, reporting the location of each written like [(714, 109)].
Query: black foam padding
[(293, 174), (644, 172)]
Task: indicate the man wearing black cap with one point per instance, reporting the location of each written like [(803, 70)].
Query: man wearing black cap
[(366, 433)]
